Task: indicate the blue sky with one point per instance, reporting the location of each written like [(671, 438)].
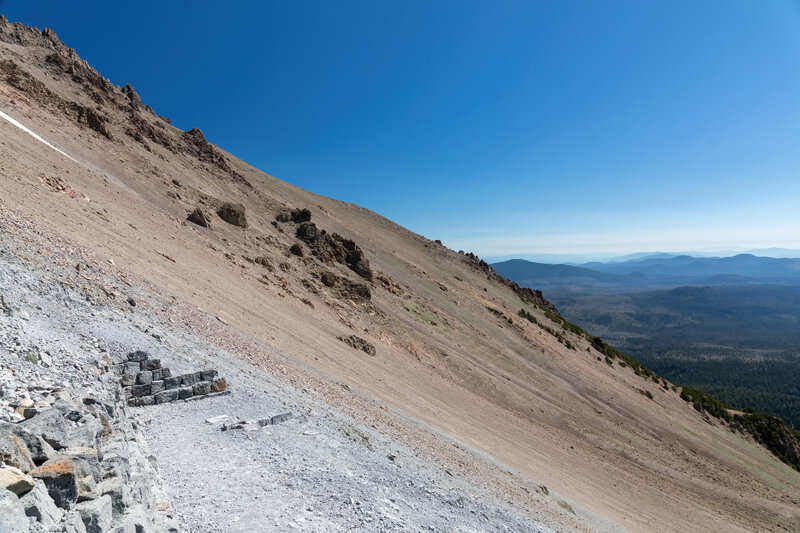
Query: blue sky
[(498, 127)]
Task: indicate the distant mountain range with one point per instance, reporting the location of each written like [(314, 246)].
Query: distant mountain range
[(609, 257), (655, 271)]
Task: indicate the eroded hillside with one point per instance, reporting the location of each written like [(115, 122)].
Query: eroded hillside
[(422, 343)]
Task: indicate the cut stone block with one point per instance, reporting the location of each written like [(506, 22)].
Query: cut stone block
[(140, 390), (169, 395), (172, 382), (185, 392), (190, 379), (138, 356), (143, 378), (156, 387), (201, 388), (151, 364), (208, 375)]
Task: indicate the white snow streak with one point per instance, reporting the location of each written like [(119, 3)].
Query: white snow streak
[(34, 135)]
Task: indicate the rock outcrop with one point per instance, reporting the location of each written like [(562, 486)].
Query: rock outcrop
[(233, 214), (358, 343)]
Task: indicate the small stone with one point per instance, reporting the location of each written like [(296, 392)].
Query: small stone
[(283, 417), (219, 385), (131, 301), (147, 400)]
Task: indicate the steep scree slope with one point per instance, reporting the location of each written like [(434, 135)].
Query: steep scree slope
[(456, 374)]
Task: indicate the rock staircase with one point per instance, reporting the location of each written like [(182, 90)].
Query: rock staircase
[(145, 382)]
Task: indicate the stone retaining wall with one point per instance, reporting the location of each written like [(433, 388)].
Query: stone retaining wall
[(145, 382)]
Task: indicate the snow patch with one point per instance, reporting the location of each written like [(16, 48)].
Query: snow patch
[(34, 135)]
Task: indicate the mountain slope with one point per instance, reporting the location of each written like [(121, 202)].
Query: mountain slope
[(530, 274), (456, 376)]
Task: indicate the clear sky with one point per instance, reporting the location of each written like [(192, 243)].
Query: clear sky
[(499, 127)]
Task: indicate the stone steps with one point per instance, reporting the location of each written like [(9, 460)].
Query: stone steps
[(145, 382)]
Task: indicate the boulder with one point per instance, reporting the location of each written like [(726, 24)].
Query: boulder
[(96, 514), (15, 446), (15, 480), (199, 217), (12, 514), (51, 426), (86, 434), (39, 505), (119, 493), (233, 214), (60, 476), (73, 523)]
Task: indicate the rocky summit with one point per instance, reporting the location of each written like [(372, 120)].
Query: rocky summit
[(189, 344)]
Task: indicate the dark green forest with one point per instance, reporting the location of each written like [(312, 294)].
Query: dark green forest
[(738, 343)]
